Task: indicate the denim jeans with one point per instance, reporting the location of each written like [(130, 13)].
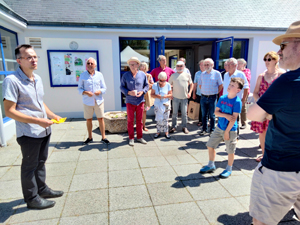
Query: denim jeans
[(183, 103), (208, 106)]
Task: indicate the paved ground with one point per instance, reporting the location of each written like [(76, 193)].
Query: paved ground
[(157, 183)]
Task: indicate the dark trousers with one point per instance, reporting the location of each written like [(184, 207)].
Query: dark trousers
[(198, 99), (33, 171), (208, 105)]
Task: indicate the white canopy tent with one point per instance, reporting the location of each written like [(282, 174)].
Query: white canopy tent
[(128, 52)]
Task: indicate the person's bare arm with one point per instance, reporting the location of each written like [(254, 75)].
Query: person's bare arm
[(11, 112), (256, 113), (256, 89), (195, 90), (229, 126), (191, 89), (220, 88)]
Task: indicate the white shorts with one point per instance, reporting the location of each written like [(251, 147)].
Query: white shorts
[(273, 193)]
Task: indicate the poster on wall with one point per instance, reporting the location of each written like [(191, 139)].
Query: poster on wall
[(65, 66)]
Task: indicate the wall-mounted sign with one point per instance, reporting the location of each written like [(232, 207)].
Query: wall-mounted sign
[(65, 66)]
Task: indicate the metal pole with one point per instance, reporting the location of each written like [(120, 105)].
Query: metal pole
[(3, 141)]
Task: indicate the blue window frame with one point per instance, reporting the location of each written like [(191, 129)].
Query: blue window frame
[(8, 43)]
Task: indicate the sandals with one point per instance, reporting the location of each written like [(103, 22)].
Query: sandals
[(259, 158), (199, 124), (156, 135)]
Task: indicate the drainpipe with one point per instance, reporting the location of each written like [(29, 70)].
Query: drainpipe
[(3, 141)]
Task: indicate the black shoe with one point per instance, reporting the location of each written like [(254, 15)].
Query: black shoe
[(156, 135), (202, 133), (168, 136), (172, 130), (40, 203), (49, 193), (88, 141), (243, 126), (105, 141)]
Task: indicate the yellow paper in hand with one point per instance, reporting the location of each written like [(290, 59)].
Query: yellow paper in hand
[(60, 121)]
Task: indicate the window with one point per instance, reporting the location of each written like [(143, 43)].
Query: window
[(8, 64)]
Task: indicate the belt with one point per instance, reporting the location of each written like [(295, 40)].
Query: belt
[(207, 96)]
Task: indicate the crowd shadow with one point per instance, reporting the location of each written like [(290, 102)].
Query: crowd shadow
[(238, 219), (7, 209)]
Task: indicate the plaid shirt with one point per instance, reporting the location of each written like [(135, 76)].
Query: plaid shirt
[(210, 82)]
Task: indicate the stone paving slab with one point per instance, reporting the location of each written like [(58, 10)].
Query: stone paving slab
[(156, 183)]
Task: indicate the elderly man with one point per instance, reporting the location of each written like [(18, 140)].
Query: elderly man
[(134, 85), (233, 72), (210, 83), (180, 82), (23, 101), (162, 68), (275, 184), (185, 69), (242, 67), (92, 87), (197, 90)]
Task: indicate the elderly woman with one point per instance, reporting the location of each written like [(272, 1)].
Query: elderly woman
[(263, 82), (148, 100), (162, 93)]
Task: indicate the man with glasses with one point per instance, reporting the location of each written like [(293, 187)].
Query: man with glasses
[(210, 83), (134, 85), (276, 180), (23, 101), (182, 87), (162, 68), (91, 86)]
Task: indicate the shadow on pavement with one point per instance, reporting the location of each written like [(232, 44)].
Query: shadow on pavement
[(238, 219), (7, 209)]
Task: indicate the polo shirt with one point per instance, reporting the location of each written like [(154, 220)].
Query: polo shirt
[(210, 82), (227, 79), (130, 83), (91, 83), (282, 146), (28, 96), (157, 70)]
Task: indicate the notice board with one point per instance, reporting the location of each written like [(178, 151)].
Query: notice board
[(65, 66)]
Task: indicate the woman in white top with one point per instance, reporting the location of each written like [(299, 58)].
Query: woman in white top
[(162, 93)]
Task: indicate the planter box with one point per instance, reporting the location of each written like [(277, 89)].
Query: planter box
[(116, 121)]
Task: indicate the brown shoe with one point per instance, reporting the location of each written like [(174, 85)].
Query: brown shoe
[(172, 130), (185, 130)]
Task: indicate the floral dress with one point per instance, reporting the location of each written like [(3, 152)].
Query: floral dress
[(260, 127)]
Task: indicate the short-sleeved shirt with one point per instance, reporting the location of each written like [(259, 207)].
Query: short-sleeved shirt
[(282, 146), (92, 83), (210, 82), (227, 79), (130, 83), (155, 72), (28, 96), (161, 91), (196, 81), (180, 83), (247, 73), (228, 106)]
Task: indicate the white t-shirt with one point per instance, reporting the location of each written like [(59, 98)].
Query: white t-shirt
[(227, 79)]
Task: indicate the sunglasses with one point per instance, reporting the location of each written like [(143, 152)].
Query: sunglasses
[(179, 66), (90, 63), (163, 81), (283, 44), (269, 60)]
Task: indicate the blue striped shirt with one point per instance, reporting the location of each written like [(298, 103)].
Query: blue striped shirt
[(210, 82)]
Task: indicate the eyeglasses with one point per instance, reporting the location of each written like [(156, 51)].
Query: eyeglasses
[(133, 64), (179, 66), (269, 59), (283, 44), (30, 58), (90, 63), (163, 81), (206, 64)]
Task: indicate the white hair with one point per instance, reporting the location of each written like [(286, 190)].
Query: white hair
[(160, 57), (242, 61), (91, 58), (162, 75), (233, 60), (209, 60)]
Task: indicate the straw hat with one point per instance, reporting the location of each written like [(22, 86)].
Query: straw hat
[(135, 59), (292, 31)]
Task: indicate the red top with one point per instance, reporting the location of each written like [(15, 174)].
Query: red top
[(247, 73), (157, 70)]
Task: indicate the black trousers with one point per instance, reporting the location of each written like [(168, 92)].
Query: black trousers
[(198, 99), (33, 171)]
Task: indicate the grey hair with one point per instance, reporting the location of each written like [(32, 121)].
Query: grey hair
[(233, 60), (182, 59), (145, 65), (201, 61), (91, 58), (209, 60), (162, 75), (160, 57), (242, 61)]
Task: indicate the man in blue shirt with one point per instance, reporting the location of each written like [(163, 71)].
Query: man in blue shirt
[(276, 180), (134, 85), (92, 86), (197, 90), (210, 83)]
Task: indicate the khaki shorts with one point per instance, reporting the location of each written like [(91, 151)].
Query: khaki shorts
[(273, 193), (89, 111), (218, 136)]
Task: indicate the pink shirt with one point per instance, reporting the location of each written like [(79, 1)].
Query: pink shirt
[(157, 70), (247, 73)]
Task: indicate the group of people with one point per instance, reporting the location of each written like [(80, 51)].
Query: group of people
[(275, 116)]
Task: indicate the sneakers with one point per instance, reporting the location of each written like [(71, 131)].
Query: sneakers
[(243, 126), (88, 141), (131, 142), (207, 169), (185, 130), (202, 133), (142, 140), (105, 141), (225, 174)]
